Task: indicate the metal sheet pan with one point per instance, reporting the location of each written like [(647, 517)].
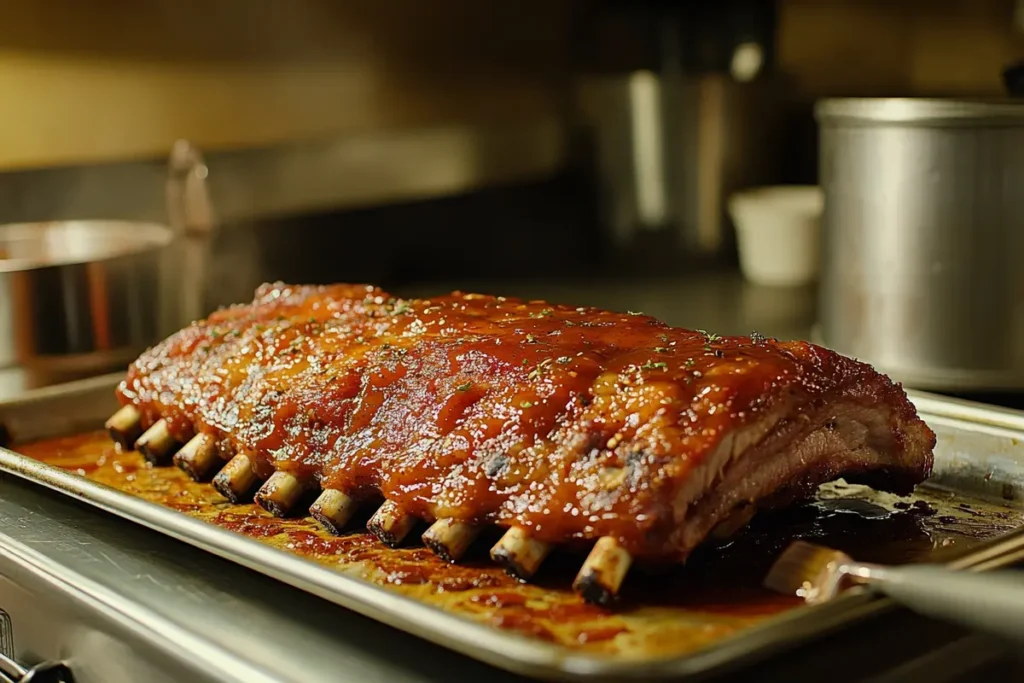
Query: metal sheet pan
[(980, 453)]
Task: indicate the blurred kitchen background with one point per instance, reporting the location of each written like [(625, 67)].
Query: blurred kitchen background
[(587, 152)]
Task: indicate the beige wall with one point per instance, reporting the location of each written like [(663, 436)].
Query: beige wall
[(90, 80), (94, 80), (900, 47)]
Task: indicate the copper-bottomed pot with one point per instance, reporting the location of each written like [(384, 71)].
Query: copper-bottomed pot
[(84, 296)]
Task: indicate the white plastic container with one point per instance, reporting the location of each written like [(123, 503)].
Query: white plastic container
[(778, 233)]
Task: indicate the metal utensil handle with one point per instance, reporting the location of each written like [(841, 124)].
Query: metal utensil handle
[(987, 601), (45, 672)]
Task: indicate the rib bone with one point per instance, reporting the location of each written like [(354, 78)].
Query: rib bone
[(390, 524), (520, 555), (333, 510), (450, 539), (156, 443), (236, 480), (280, 493), (125, 426), (198, 457), (603, 571)]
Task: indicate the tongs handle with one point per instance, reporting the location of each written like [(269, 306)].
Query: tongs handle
[(46, 672), (986, 601)]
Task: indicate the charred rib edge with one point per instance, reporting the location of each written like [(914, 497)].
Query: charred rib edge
[(390, 524), (603, 572), (198, 457), (125, 426), (279, 493), (156, 443), (519, 555), (236, 480), (333, 510), (450, 539)]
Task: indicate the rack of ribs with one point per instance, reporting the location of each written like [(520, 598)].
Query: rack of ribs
[(613, 433)]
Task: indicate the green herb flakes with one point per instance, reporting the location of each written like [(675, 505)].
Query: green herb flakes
[(711, 338)]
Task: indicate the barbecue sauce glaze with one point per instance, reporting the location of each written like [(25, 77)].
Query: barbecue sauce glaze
[(575, 423)]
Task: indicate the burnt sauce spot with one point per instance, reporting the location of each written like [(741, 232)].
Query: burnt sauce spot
[(496, 464)]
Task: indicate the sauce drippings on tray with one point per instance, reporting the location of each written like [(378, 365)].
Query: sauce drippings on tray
[(715, 595)]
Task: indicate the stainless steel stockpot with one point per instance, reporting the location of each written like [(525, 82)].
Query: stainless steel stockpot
[(923, 239)]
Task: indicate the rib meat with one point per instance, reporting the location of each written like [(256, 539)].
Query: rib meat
[(569, 424)]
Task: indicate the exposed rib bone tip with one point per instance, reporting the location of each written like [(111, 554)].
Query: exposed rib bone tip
[(333, 510), (390, 524), (280, 493), (198, 457), (236, 480), (450, 539), (125, 426), (156, 443), (603, 572), (520, 555)]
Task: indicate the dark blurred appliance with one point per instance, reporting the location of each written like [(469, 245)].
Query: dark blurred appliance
[(682, 108)]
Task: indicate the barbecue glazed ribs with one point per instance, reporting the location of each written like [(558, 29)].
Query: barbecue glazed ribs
[(565, 426)]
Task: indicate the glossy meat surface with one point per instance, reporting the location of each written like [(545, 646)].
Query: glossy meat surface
[(574, 423)]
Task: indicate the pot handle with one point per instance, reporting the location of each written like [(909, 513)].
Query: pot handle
[(189, 209), (191, 217)]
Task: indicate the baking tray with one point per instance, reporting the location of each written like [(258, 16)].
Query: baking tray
[(976, 493)]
